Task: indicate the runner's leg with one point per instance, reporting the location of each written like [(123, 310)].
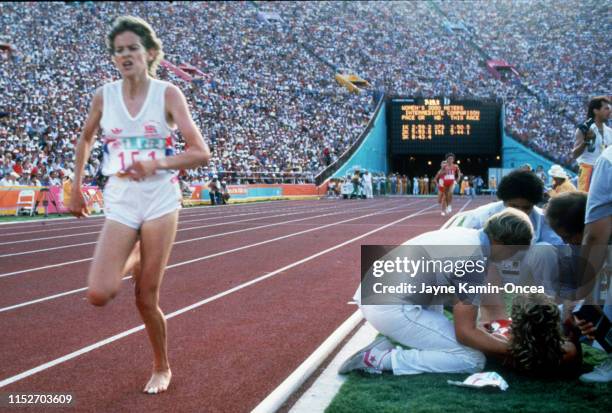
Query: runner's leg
[(157, 237), (112, 250)]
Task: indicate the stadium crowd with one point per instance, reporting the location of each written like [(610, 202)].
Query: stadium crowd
[(405, 48), (271, 109), (265, 105)]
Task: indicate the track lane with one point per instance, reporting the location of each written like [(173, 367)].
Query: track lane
[(203, 343), (16, 287), (181, 285)]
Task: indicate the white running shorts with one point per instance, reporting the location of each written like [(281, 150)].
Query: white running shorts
[(132, 202)]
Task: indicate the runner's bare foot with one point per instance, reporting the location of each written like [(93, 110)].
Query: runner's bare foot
[(159, 382)]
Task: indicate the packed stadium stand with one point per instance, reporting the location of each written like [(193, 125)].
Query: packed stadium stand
[(263, 89)]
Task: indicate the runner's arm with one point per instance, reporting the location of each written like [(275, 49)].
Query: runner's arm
[(83, 149), (78, 206), (197, 152)]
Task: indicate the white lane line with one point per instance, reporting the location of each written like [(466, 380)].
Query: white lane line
[(187, 212), (27, 303), (178, 230), (207, 215), (52, 221), (89, 259), (193, 306), (180, 222), (466, 204), (46, 238), (48, 298), (50, 229), (208, 218)]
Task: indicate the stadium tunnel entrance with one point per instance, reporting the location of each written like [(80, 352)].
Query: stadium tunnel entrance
[(419, 165)]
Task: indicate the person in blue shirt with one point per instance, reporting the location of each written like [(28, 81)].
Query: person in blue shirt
[(595, 249)]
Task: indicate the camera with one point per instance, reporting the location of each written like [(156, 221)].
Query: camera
[(586, 126), (603, 327)]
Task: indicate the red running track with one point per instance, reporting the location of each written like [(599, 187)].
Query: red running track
[(250, 292)]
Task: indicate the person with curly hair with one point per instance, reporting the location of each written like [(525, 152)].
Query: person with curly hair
[(537, 346)]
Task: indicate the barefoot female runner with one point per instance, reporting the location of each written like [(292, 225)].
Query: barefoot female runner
[(137, 115)]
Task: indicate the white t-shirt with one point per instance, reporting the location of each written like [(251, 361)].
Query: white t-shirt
[(143, 137), (454, 243), (601, 143), (542, 231)]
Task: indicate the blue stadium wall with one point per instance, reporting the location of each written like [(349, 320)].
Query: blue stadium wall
[(372, 153), (514, 155)]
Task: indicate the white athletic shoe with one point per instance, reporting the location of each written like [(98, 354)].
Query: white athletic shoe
[(443, 213), (601, 373), (449, 209), (365, 361)]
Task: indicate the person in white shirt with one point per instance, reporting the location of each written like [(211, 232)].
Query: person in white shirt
[(137, 115), (10, 179), (523, 190), (367, 184), (592, 138)]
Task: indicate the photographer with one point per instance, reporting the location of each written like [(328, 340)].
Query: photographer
[(592, 137), (214, 187)]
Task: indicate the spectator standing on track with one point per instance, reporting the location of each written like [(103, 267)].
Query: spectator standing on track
[(357, 184), (415, 186), (592, 138), (142, 196), (393, 184), (478, 183), (493, 185), (367, 184), (214, 191)]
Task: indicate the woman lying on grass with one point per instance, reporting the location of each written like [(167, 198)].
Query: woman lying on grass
[(537, 345)]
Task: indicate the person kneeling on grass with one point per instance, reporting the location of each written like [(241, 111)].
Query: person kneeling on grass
[(439, 345)]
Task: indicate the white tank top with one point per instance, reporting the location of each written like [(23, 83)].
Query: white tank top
[(601, 143), (127, 139)]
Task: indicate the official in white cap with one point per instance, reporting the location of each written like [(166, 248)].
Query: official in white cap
[(561, 182)]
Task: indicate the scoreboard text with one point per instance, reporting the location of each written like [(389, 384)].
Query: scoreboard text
[(435, 125)]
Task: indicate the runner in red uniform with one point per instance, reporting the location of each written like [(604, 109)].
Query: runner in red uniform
[(441, 189), (451, 175)]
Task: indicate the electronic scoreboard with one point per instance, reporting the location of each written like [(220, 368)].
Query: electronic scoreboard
[(440, 125)]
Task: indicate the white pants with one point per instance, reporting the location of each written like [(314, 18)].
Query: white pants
[(431, 336), (368, 190)]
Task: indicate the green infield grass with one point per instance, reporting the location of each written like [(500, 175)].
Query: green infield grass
[(365, 393), (430, 393)]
